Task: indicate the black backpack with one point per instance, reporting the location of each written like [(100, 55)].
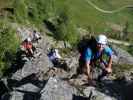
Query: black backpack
[(85, 43)]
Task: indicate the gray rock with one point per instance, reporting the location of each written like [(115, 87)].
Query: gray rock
[(15, 95), (127, 91), (56, 89), (29, 88), (94, 94), (121, 56), (36, 65)]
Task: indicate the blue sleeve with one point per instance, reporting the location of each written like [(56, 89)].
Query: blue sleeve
[(108, 51), (88, 54)]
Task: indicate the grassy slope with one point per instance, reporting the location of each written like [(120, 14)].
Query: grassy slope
[(86, 15), (122, 16), (81, 13)]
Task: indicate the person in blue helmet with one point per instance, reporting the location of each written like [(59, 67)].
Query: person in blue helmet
[(92, 56)]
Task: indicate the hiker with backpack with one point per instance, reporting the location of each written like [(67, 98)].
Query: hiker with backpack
[(96, 53)]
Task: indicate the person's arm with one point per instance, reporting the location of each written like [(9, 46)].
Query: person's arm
[(109, 53), (31, 51), (87, 67), (30, 47), (109, 65)]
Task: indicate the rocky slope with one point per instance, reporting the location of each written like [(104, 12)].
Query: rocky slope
[(38, 79)]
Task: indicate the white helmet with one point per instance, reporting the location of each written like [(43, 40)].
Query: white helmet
[(102, 39), (29, 39)]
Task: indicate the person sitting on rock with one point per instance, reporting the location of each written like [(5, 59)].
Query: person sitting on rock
[(27, 47), (36, 36), (54, 56), (97, 54)]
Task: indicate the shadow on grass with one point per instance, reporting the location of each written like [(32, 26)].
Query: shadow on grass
[(16, 64)]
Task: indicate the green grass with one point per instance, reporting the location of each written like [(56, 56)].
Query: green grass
[(8, 45), (85, 15), (79, 12)]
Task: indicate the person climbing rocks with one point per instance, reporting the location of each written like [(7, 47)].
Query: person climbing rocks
[(54, 56), (57, 60), (27, 47), (99, 53), (36, 36)]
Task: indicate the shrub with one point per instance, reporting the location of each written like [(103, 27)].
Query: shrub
[(8, 45)]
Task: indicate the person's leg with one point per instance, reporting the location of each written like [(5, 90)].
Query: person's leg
[(87, 71), (81, 68), (55, 62), (90, 80), (29, 54)]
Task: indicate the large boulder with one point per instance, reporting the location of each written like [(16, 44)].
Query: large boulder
[(127, 91), (56, 89), (94, 94), (121, 56)]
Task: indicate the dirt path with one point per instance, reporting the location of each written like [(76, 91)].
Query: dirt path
[(107, 11)]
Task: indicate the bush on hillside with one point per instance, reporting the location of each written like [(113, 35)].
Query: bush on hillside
[(8, 45), (62, 27)]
